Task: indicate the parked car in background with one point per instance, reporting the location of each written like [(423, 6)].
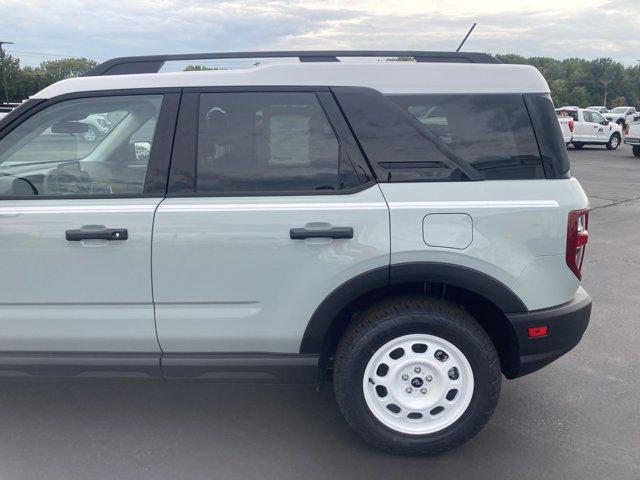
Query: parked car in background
[(621, 115), (5, 108), (599, 109), (591, 128), (566, 126), (97, 127), (633, 137)]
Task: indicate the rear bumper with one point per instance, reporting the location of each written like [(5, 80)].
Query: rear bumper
[(632, 141), (566, 325)]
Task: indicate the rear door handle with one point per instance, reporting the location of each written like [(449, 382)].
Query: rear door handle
[(104, 234), (334, 232)]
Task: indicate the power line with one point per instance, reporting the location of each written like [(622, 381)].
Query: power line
[(44, 54)]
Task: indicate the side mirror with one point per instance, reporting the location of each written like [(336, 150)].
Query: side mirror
[(604, 122), (142, 151), (69, 127)]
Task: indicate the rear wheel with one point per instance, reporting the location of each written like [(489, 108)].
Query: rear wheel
[(636, 150), (614, 141), (578, 145), (416, 375)]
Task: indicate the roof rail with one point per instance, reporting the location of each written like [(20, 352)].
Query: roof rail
[(153, 63)]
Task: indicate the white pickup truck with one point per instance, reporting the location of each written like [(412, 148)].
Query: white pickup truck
[(621, 115), (591, 128), (566, 126), (633, 138)]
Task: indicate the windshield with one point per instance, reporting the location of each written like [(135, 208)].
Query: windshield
[(619, 110)]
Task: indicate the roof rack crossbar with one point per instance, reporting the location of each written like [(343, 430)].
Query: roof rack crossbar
[(153, 63)]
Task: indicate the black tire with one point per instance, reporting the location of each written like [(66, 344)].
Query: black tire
[(614, 141), (404, 315), (578, 145), (636, 150)]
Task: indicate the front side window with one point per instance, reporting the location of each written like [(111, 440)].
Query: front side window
[(265, 142), (91, 146), (596, 117)]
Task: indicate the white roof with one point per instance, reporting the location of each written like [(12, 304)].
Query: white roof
[(386, 77)]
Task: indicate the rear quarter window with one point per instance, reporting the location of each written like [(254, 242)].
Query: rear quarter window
[(444, 137), (492, 133)]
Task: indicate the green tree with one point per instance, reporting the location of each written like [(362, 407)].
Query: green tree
[(560, 92), (24, 82), (56, 70), (579, 96), (9, 76), (576, 81), (619, 102)]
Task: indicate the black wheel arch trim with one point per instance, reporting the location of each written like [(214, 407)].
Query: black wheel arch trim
[(437, 272)]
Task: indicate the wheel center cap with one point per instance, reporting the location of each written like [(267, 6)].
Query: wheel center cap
[(416, 382)]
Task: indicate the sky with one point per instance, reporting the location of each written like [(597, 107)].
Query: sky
[(47, 30)]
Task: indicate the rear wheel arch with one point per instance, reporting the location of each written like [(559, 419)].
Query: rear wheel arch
[(487, 299)]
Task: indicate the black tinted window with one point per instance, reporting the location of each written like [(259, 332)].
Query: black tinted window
[(492, 133), (265, 142), (443, 137)]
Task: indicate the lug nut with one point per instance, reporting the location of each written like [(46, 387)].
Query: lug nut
[(428, 378), (405, 376), (416, 369), (423, 390), (408, 389)]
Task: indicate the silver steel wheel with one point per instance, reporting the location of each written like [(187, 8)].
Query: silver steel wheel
[(418, 384)]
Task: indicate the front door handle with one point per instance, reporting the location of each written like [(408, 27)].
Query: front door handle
[(334, 232), (104, 234)]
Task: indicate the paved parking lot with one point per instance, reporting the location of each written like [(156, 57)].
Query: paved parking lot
[(577, 419)]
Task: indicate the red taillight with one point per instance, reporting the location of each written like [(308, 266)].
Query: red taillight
[(626, 129), (571, 124), (540, 331), (577, 237)]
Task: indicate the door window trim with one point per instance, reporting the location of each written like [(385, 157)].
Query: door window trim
[(182, 175), (156, 179)]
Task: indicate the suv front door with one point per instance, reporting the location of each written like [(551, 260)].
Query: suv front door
[(76, 218), (270, 208)]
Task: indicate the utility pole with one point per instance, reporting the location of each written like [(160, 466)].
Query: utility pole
[(606, 88), (4, 72), (638, 90)]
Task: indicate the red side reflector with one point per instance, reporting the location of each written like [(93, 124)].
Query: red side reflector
[(538, 331)]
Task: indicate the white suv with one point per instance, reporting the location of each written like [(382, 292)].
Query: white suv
[(408, 230)]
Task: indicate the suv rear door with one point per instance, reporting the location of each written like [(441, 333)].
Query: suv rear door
[(76, 216), (270, 208)]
